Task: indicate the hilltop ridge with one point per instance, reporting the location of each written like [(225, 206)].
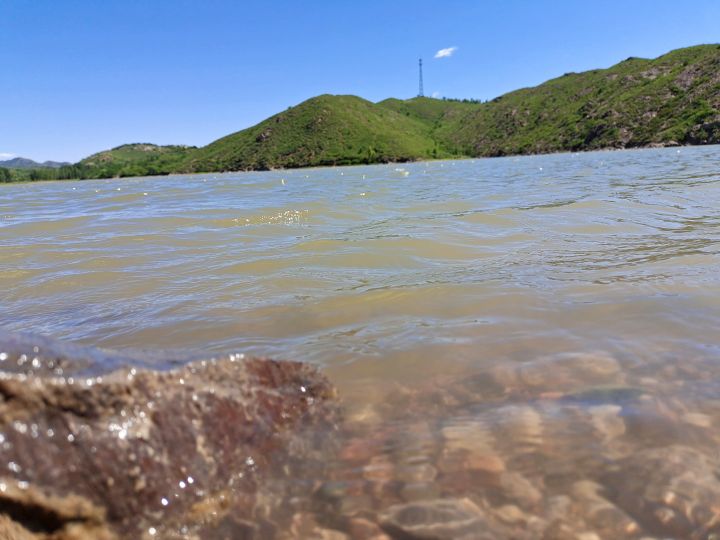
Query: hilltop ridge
[(324, 130), (671, 100)]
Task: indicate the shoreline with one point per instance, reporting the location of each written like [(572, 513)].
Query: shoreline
[(651, 146)]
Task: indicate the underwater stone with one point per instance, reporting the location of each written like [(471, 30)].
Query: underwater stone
[(438, 519), (570, 371), (670, 491)]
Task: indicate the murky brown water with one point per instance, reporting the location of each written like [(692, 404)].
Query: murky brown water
[(531, 340)]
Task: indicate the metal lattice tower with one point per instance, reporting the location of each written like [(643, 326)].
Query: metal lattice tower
[(420, 92)]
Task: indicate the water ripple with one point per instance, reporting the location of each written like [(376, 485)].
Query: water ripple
[(337, 264)]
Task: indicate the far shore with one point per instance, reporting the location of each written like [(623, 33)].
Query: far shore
[(651, 146)]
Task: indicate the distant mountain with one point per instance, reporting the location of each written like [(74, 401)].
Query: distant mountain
[(671, 100), (24, 163)]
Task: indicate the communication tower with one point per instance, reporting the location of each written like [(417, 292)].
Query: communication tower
[(420, 90)]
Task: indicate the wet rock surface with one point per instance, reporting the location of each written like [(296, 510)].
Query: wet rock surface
[(199, 451), (574, 446)]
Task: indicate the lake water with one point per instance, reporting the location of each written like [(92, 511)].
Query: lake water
[(531, 333)]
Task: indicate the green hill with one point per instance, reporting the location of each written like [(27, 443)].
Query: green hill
[(671, 100), (435, 113), (324, 130), (431, 111), (136, 160), (674, 99)]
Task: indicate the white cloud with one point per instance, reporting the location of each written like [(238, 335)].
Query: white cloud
[(6, 155), (445, 53), (436, 95)]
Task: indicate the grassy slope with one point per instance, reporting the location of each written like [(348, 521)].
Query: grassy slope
[(672, 99), (136, 159), (325, 130), (434, 113)]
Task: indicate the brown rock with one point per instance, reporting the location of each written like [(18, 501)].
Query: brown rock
[(511, 515), (380, 470), (607, 421), (669, 491), (470, 446), (519, 490), (570, 371), (139, 452), (605, 518), (438, 520), (363, 528), (11, 530), (419, 491), (416, 473)]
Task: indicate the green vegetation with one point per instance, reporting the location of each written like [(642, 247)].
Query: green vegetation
[(140, 159), (325, 130), (136, 160), (674, 99), (435, 113)]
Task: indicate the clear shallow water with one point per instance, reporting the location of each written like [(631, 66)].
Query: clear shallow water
[(482, 304)]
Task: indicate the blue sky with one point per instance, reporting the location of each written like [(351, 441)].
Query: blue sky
[(81, 76)]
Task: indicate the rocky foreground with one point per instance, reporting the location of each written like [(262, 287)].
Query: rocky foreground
[(573, 446), (201, 451)]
